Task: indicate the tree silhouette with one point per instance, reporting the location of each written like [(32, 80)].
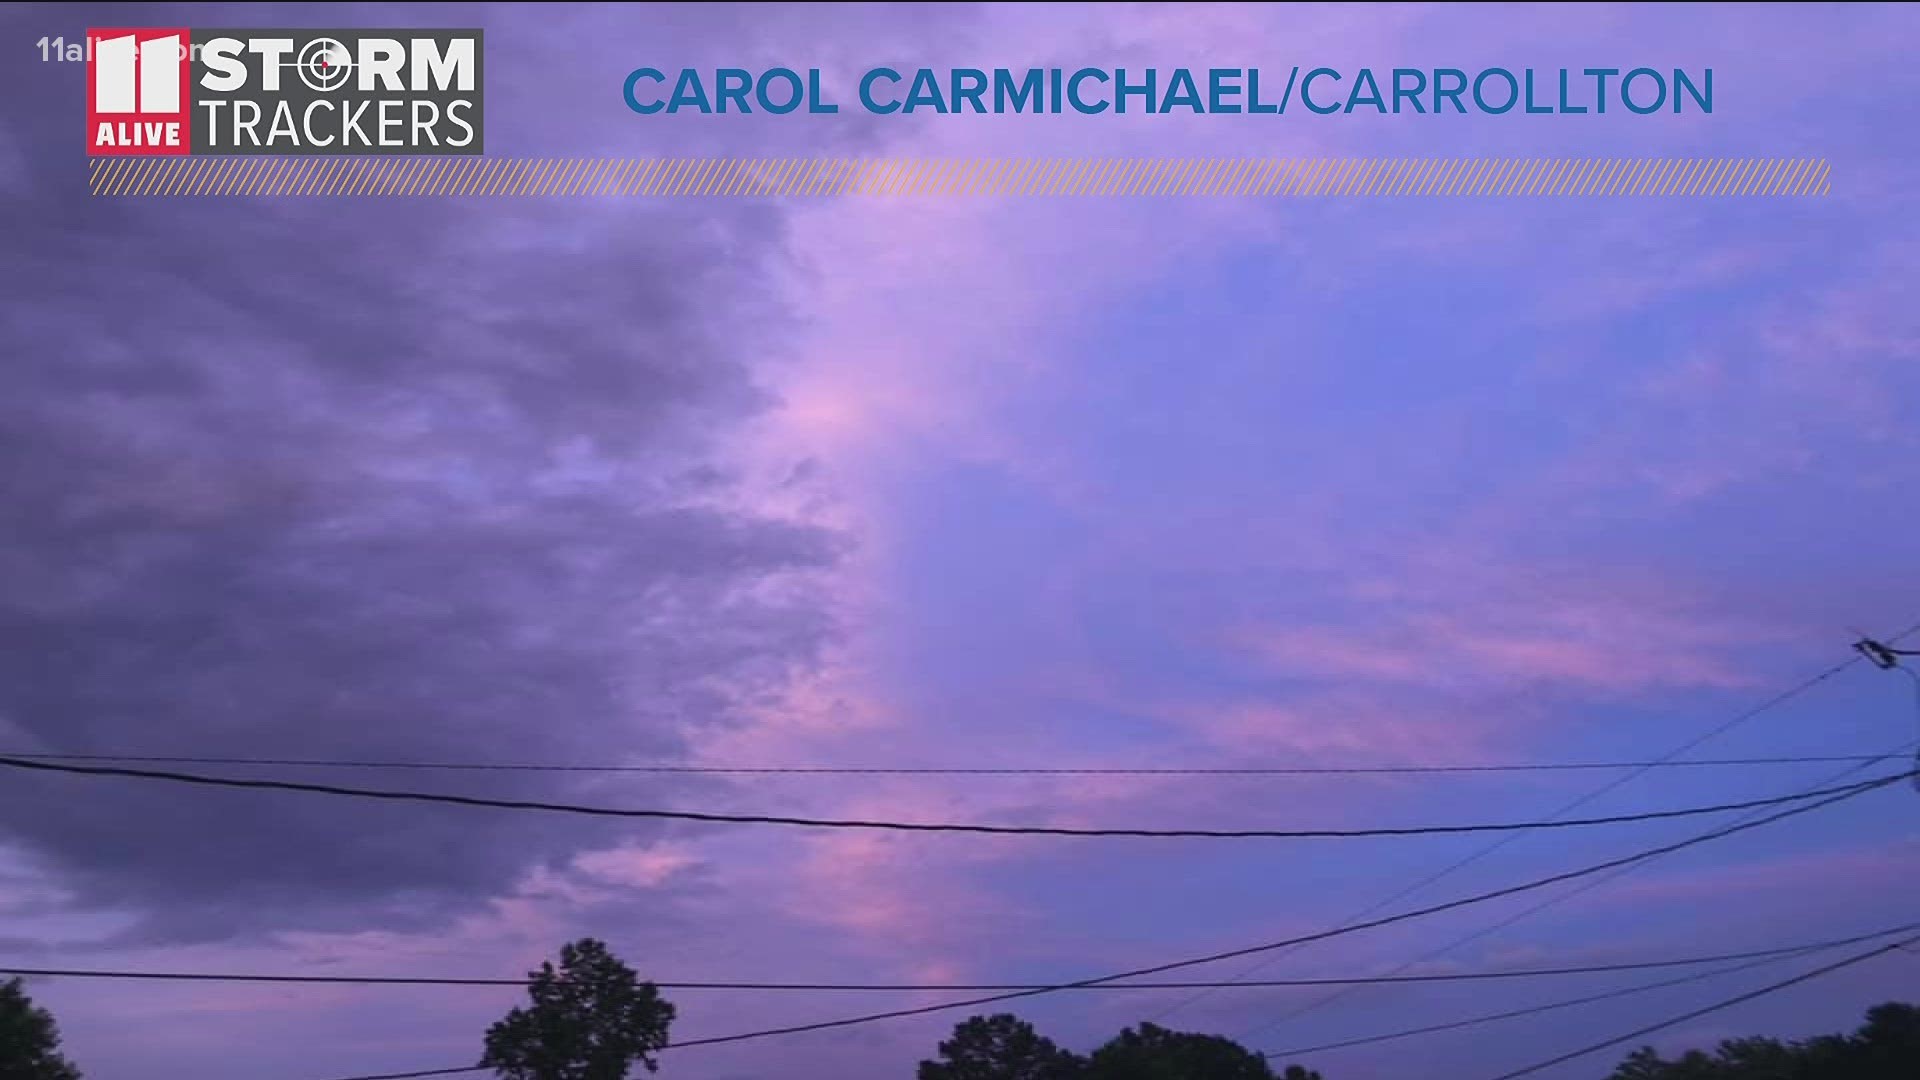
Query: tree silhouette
[(1886, 1047), (1001, 1047), (29, 1039), (590, 1020), (1152, 1052), (1005, 1047)]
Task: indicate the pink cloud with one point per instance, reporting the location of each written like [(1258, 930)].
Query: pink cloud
[(637, 867), (900, 899), (1347, 726), (1503, 627)]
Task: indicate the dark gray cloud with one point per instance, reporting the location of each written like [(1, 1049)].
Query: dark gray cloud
[(406, 479)]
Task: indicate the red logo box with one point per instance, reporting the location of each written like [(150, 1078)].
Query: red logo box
[(139, 97)]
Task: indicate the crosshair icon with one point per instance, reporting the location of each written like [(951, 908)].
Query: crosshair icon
[(324, 64)]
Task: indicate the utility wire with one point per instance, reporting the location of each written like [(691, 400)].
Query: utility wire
[(892, 826), (824, 770), (1608, 788), (1528, 912), (1828, 969), (1458, 976), (1230, 954), (1915, 676), (415, 1075), (1388, 920), (1533, 1010)]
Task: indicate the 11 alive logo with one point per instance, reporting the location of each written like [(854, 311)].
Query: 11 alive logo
[(192, 91)]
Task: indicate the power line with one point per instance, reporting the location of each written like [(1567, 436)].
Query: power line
[(1529, 912), (1467, 901), (415, 1075), (1515, 1014), (1230, 954), (892, 826), (447, 981), (1605, 789), (1567, 1003), (1696, 1014), (1461, 864), (906, 770)]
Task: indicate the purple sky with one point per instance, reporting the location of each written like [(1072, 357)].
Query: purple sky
[(964, 482)]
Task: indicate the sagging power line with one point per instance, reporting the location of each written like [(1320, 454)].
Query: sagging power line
[(476, 801), (680, 985), (1251, 950), (1735, 721), (938, 770), (1543, 905)]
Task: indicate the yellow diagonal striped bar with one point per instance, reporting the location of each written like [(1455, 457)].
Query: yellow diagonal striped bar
[(470, 177)]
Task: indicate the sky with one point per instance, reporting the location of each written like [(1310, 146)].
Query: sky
[(988, 482)]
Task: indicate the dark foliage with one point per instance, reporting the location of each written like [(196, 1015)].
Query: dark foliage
[(1151, 1052), (1004, 1047), (593, 1019), (1886, 1047), (29, 1039), (1001, 1047)]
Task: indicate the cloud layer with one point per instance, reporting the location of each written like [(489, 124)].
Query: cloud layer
[(928, 482)]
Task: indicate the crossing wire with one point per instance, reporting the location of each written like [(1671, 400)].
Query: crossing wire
[(1615, 784), (1551, 901), (1858, 958), (1776, 957), (1230, 954)]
